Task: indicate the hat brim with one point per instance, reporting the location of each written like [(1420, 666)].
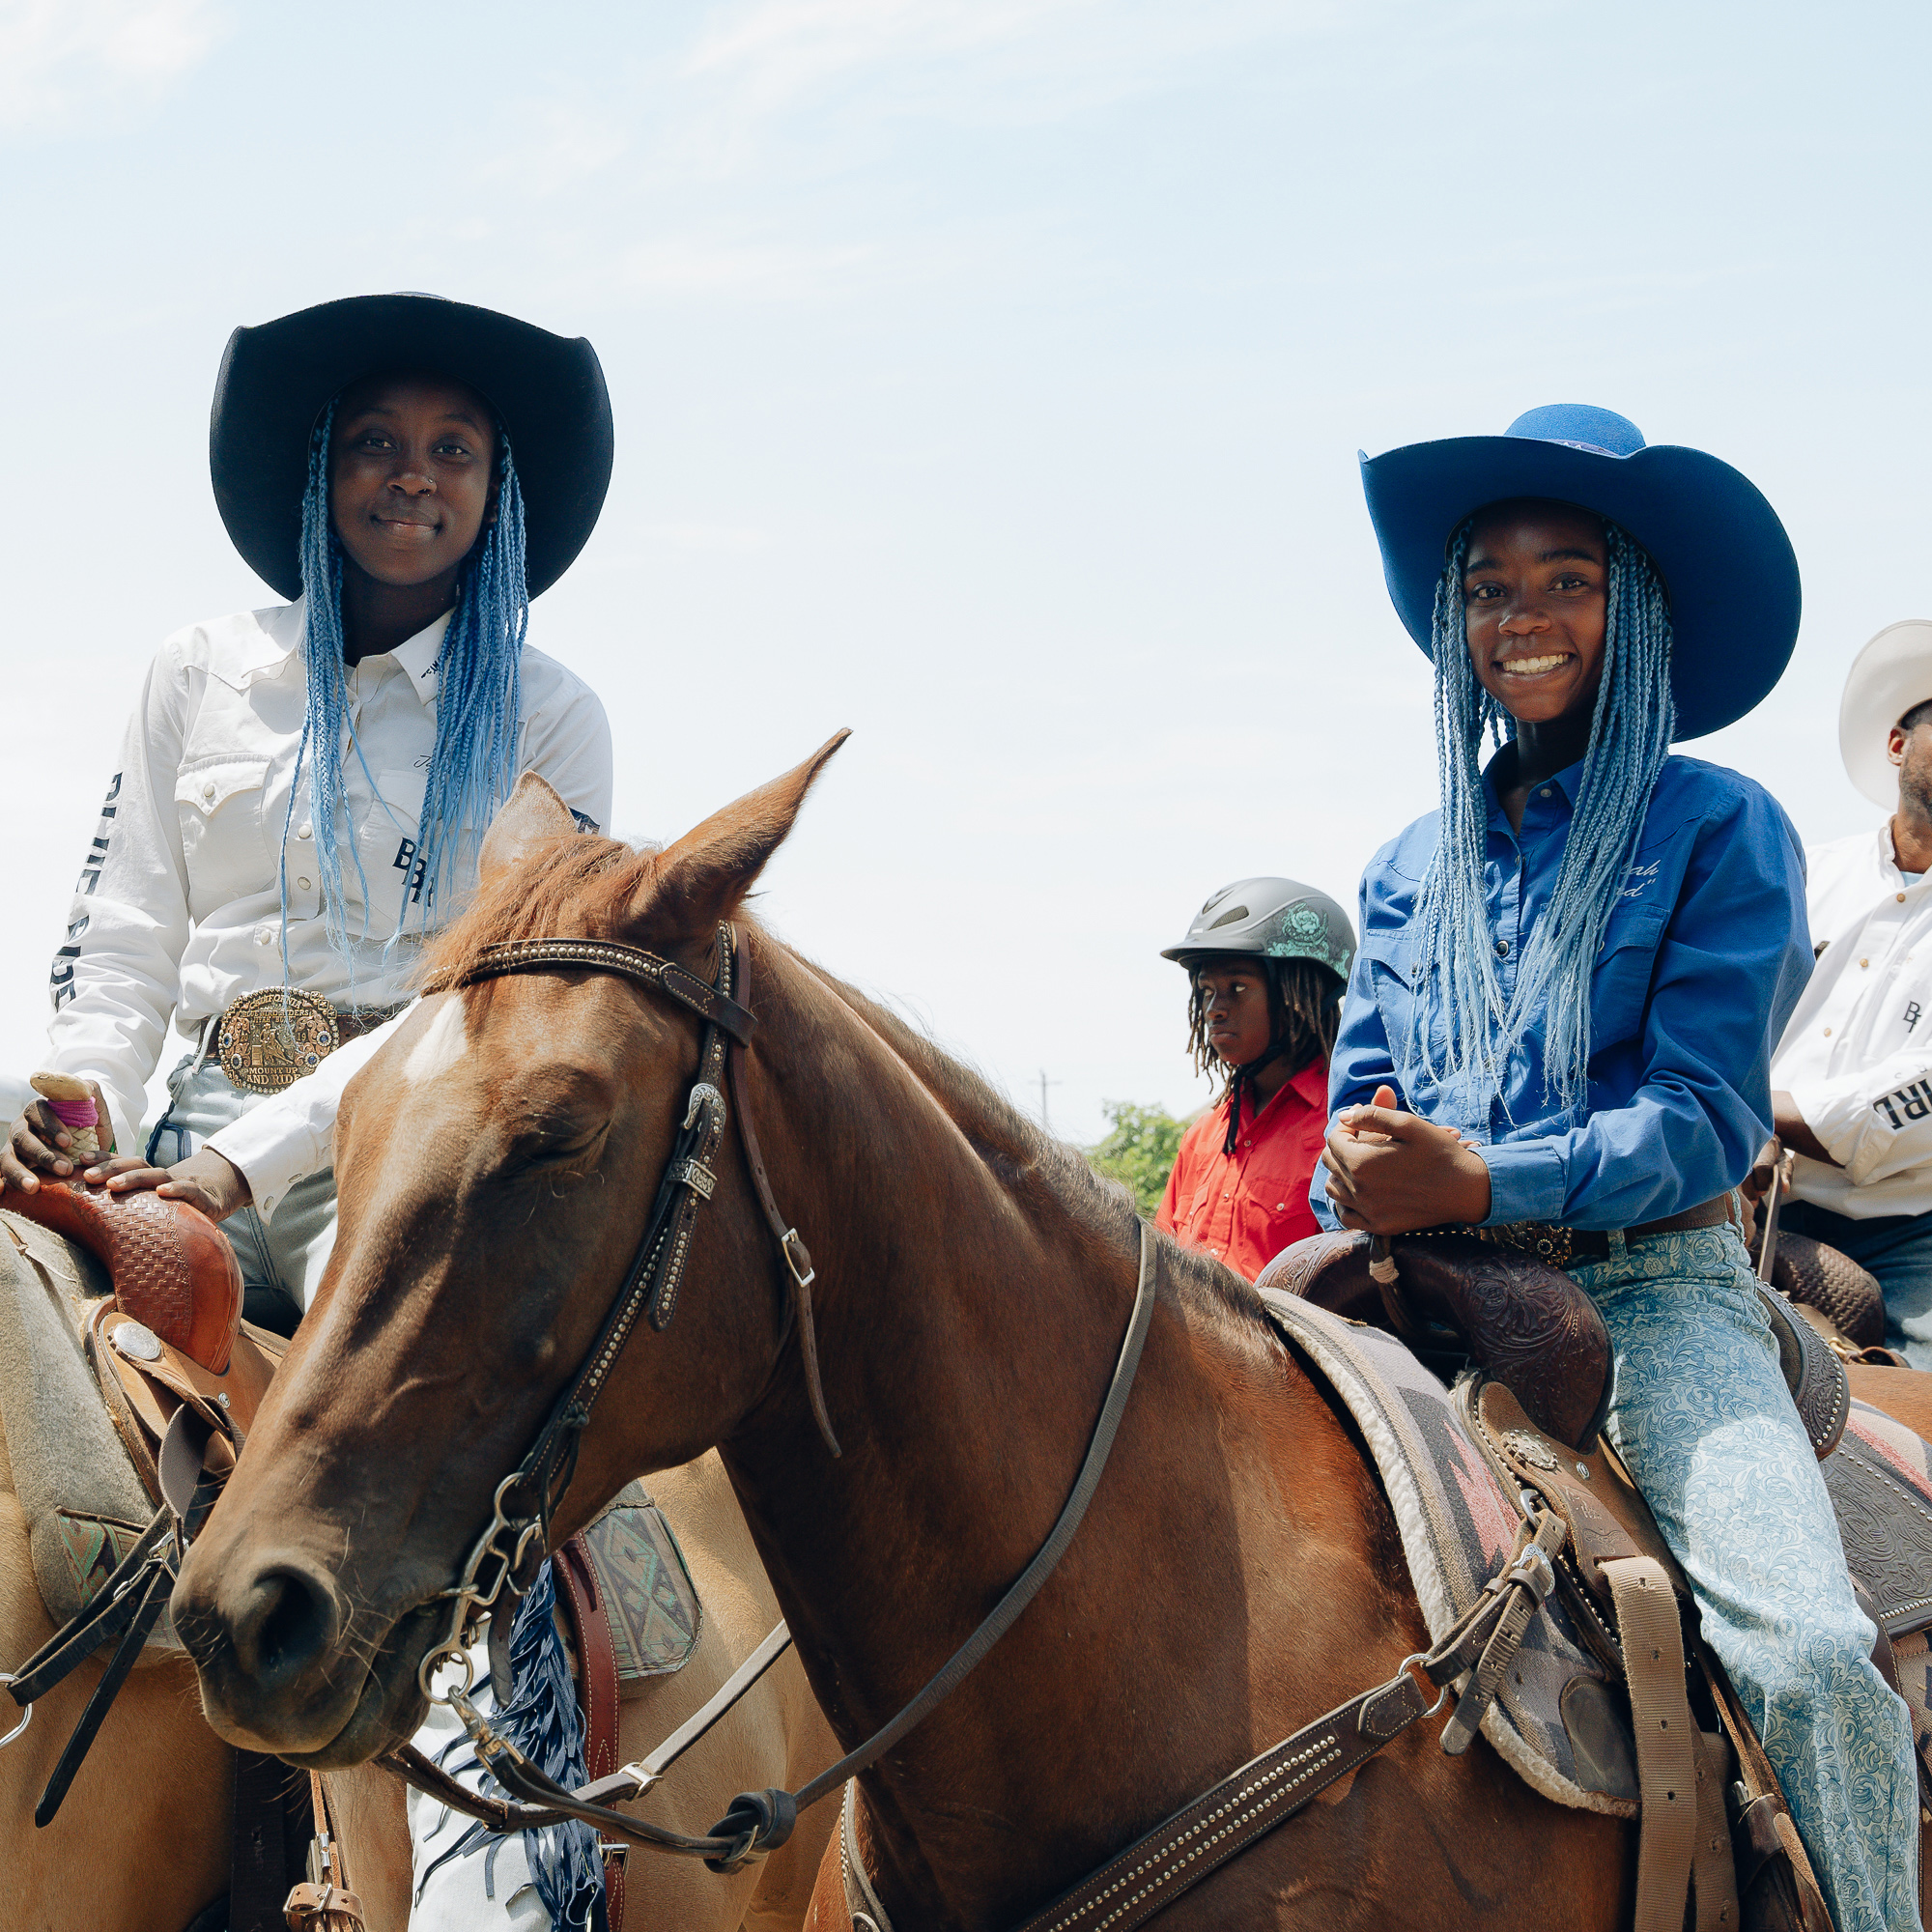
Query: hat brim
[(1726, 562), (548, 391), (1891, 674)]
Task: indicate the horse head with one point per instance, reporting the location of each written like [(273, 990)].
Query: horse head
[(497, 1162)]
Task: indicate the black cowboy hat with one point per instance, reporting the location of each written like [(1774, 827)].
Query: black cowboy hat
[(547, 392)]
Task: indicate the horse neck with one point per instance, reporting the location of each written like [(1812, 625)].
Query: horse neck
[(969, 1316), (959, 1296)]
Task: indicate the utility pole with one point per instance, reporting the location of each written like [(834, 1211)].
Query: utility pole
[(1045, 1118)]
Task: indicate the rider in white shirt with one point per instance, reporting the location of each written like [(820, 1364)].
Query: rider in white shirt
[(433, 465), (1853, 1075), (303, 793)]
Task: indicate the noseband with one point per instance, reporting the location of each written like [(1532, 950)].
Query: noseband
[(505, 1557)]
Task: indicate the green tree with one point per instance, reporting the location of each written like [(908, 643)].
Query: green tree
[(1139, 1150)]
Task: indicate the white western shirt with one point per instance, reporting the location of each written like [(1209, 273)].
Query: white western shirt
[(179, 909), (1857, 1056)]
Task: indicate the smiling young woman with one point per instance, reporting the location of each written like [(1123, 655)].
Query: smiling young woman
[(303, 789), (1569, 982)]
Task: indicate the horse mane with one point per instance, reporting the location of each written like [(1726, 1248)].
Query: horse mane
[(584, 885)]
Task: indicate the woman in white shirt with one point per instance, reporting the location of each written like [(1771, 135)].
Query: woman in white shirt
[(303, 788)]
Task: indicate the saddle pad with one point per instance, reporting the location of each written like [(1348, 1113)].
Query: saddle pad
[(1557, 1721), (83, 1503), (1880, 1477), (642, 1575)]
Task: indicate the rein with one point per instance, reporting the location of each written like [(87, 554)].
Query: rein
[(504, 1559)]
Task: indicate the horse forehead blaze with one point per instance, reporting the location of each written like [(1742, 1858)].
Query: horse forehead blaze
[(444, 1042)]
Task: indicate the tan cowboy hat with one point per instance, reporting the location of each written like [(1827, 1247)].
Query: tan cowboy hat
[(1891, 674)]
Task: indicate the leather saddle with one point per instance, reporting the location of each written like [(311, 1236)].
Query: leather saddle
[(1463, 1303), (171, 1269), (1839, 1298)]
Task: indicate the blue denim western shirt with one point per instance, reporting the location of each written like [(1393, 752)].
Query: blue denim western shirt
[(1705, 955)]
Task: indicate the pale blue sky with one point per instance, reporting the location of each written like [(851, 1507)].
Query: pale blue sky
[(989, 376)]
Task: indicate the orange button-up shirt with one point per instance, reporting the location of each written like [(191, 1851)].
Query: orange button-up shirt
[(1246, 1206)]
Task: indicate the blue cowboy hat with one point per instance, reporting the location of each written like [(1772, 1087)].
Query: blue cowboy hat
[(1728, 566)]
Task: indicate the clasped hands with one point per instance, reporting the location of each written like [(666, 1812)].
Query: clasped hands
[(38, 1143), (1390, 1172)]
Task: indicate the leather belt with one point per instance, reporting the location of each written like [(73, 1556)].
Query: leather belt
[(266, 1040), (1562, 1247)]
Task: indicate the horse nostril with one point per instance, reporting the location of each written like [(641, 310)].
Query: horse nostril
[(289, 1623)]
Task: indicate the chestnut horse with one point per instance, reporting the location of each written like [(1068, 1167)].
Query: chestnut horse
[(1238, 1573)]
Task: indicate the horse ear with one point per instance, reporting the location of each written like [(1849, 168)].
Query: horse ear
[(700, 880), (531, 815)]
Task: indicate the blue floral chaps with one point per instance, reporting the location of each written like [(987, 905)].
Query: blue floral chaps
[(1704, 1422)]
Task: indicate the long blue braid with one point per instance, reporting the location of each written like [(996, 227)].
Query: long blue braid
[(479, 687), (1630, 737)]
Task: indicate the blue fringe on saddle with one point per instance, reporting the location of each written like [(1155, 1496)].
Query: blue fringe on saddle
[(542, 1720)]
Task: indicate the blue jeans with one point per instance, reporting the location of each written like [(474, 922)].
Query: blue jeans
[(1896, 1248), (282, 1257), (1703, 1420)]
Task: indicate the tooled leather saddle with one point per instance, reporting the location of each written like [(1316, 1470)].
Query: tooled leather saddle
[(171, 1269), (1459, 1302)]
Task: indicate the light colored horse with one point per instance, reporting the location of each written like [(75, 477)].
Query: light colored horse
[(142, 1842)]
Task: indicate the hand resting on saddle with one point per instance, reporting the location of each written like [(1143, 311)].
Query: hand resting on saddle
[(1390, 1172), (38, 1144)]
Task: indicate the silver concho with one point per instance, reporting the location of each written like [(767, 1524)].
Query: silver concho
[(137, 1341), (1528, 1448)]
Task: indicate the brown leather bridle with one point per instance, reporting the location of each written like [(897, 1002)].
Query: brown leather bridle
[(505, 1557)]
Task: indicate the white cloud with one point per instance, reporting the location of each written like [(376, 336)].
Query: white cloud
[(59, 55), (975, 59)]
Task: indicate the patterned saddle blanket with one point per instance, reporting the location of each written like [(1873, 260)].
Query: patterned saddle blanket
[(645, 1584), (1562, 1721), (1558, 1720)]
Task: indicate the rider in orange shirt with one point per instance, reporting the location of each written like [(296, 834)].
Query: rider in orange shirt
[(1267, 960)]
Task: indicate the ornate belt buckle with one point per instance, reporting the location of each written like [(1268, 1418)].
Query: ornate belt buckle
[(268, 1040)]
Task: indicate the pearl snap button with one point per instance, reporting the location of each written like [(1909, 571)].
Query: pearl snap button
[(265, 937), (303, 884), (307, 830), (208, 791)]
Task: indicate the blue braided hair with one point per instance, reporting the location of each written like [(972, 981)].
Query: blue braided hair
[(1630, 737), (479, 690)]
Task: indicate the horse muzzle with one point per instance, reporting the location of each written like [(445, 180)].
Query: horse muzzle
[(282, 1670)]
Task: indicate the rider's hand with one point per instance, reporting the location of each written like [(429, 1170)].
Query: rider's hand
[(1794, 1130), (38, 1143), (205, 1181), (1390, 1172)]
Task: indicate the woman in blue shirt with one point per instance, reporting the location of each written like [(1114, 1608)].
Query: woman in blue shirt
[(1569, 981)]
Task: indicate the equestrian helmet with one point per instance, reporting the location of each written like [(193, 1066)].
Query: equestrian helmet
[(1271, 919)]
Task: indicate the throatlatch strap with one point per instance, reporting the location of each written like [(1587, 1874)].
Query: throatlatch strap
[(1667, 1772)]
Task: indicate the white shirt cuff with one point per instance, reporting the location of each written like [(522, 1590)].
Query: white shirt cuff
[(274, 1146)]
